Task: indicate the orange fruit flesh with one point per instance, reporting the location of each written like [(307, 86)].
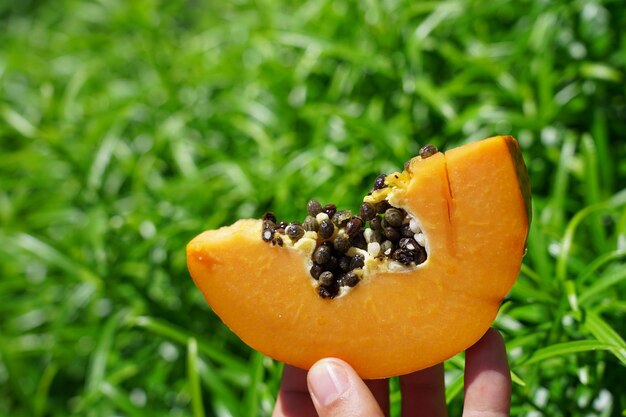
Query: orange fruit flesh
[(472, 205)]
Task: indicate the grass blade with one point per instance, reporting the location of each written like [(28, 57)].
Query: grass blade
[(602, 284), (567, 348), (616, 201), (97, 366), (120, 399), (43, 388), (516, 379), (224, 401), (252, 396), (193, 379), (454, 388), (592, 191), (598, 263), (605, 333), (181, 336), (55, 257)]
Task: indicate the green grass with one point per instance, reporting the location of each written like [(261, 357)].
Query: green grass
[(128, 127)]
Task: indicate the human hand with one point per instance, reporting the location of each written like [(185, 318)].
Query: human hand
[(332, 388)]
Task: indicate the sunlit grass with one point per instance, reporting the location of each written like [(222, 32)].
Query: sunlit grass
[(128, 127)]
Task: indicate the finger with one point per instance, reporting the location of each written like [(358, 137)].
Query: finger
[(380, 389), (487, 378), (337, 390), (293, 397), (423, 393)]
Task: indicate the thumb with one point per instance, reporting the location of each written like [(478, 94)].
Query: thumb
[(337, 390)]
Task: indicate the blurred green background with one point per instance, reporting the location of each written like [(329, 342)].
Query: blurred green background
[(127, 127)]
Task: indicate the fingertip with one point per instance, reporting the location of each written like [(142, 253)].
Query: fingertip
[(328, 379), (487, 376), (337, 390)]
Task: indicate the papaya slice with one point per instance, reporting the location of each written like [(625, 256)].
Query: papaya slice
[(473, 207)]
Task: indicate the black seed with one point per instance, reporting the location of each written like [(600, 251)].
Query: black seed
[(379, 182), (391, 234), (341, 217), (358, 241), (279, 241), (387, 246), (408, 243), (268, 224), (326, 279), (330, 292), (382, 206), (326, 229), (314, 208), (295, 231), (350, 279), (406, 231), (357, 262), (321, 255), (404, 256), (332, 265), (329, 209), (354, 226), (310, 224), (368, 212), (394, 217), (283, 224), (344, 263), (376, 223), (267, 235), (377, 236), (428, 150), (316, 271), (420, 255), (341, 244), (269, 216)]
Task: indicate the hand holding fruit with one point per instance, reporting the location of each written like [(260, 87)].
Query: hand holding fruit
[(332, 388)]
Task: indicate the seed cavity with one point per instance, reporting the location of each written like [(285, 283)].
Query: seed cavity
[(345, 248)]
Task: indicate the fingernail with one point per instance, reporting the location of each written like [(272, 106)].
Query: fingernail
[(328, 380)]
